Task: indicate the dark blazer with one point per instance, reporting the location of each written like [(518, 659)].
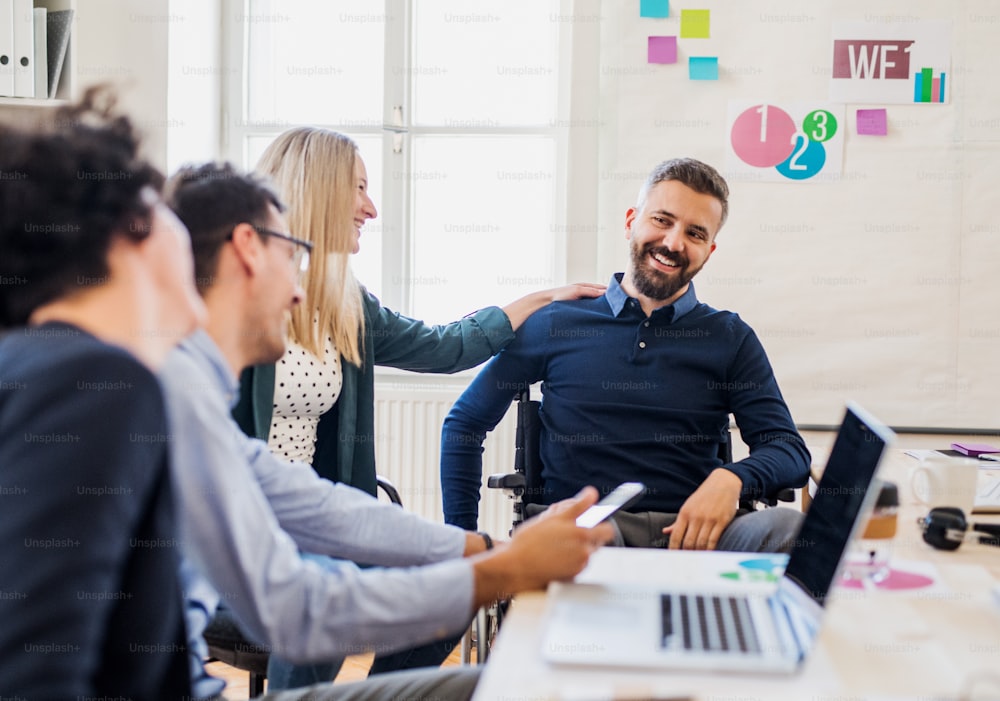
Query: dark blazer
[(345, 436), (91, 605)]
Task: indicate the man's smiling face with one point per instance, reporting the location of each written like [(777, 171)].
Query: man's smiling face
[(671, 237)]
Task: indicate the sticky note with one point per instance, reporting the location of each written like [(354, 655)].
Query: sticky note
[(695, 24), (872, 122), (654, 8), (703, 68), (662, 50)]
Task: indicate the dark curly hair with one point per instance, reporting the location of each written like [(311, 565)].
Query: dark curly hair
[(67, 186), (211, 199)]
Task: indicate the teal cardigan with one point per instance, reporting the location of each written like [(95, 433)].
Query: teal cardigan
[(345, 436)]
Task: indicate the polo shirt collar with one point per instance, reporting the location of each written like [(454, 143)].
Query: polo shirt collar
[(617, 297), (209, 356)]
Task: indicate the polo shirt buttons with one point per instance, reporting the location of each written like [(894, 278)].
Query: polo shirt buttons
[(642, 344), (646, 324)]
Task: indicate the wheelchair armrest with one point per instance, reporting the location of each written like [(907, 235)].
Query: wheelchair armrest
[(786, 494), (389, 488), (512, 480)]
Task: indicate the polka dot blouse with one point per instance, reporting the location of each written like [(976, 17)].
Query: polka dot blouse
[(305, 387)]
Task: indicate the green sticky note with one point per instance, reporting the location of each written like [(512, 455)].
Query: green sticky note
[(695, 24), (703, 68), (654, 8)]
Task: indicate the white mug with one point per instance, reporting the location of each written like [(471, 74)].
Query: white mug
[(946, 481)]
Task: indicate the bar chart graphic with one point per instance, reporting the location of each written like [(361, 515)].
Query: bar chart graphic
[(891, 62), (927, 87)]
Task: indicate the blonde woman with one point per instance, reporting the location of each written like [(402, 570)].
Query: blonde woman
[(316, 405)]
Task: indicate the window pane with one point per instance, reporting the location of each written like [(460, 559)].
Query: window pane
[(491, 64), (367, 264), (315, 62), (483, 212)]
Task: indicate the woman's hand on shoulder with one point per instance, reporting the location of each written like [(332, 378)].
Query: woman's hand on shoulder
[(519, 310), (576, 290)]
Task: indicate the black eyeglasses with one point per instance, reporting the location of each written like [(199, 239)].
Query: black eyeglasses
[(300, 258)]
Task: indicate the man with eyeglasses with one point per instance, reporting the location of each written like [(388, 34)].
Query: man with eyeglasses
[(245, 513), (300, 254)]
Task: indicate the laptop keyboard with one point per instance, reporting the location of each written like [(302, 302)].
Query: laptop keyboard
[(708, 623)]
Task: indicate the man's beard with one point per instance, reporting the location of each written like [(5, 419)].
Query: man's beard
[(653, 283)]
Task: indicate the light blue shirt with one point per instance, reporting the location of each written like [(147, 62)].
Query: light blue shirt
[(244, 515)]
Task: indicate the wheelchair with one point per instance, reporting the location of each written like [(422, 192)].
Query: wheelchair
[(525, 487)]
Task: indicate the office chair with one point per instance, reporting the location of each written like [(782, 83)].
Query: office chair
[(227, 643)]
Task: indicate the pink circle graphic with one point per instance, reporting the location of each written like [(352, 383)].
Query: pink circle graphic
[(763, 136), (897, 580)]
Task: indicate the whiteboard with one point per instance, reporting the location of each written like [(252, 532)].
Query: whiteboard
[(882, 285)]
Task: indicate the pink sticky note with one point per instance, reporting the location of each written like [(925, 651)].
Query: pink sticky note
[(872, 122), (662, 50)]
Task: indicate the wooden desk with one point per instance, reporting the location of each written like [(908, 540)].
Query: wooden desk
[(874, 642)]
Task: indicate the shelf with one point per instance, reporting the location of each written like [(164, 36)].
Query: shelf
[(67, 78), (30, 102)]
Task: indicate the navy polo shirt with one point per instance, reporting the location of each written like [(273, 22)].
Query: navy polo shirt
[(629, 397)]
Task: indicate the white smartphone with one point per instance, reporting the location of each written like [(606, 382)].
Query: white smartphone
[(621, 497)]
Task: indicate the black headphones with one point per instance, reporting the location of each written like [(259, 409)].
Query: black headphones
[(945, 528)]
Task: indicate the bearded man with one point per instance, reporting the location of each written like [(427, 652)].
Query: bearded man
[(639, 385)]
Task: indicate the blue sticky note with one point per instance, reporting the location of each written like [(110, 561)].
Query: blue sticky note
[(703, 67), (654, 8)]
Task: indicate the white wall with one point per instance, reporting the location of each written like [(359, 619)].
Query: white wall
[(164, 58), (124, 42), (880, 287)]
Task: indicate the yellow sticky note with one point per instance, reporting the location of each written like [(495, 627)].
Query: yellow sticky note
[(695, 24)]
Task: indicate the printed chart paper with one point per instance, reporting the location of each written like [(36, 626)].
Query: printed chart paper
[(788, 141), (891, 62)]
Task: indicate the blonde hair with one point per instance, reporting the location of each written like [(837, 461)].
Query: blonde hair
[(313, 170)]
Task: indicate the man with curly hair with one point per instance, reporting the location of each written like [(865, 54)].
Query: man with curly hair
[(96, 286)]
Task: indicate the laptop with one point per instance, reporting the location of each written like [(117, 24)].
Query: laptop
[(632, 625)]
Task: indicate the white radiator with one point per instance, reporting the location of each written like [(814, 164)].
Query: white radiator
[(408, 418)]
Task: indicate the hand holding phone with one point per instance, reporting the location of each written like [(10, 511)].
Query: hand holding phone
[(621, 497)]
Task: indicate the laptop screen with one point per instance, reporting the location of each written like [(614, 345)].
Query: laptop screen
[(839, 502)]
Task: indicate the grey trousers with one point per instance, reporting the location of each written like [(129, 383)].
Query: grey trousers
[(767, 530), (448, 684)]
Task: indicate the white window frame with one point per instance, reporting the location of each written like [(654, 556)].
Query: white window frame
[(575, 245)]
